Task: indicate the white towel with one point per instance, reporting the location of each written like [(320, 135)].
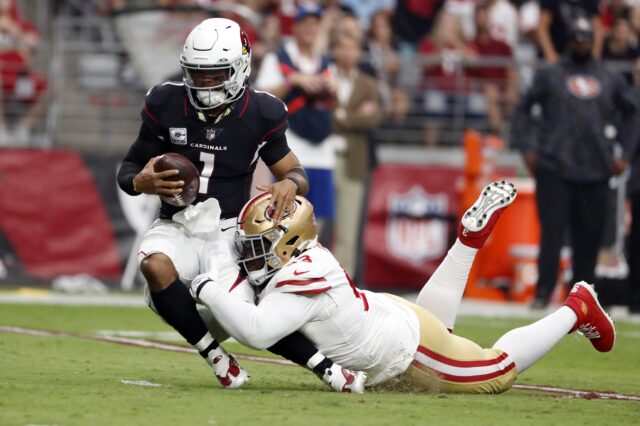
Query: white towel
[(201, 218)]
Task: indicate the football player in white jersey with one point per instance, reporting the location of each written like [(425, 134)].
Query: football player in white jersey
[(300, 286)]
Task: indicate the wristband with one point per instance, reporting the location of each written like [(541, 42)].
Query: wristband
[(296, 181), (133, 181)]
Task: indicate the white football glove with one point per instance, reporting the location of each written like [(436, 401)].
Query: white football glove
[(198, 283)]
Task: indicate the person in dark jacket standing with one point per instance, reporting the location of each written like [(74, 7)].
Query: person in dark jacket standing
[(633, 187), (585, 109)]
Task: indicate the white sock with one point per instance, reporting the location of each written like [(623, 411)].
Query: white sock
[(204, 343), (315, 359), (441, 295), (526, 345)]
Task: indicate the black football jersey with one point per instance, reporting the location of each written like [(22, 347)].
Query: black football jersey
[(225, 151)]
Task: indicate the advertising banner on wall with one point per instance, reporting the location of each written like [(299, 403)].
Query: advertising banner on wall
[(410, 224)]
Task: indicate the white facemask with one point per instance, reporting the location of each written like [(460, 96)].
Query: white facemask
[(211, 97)]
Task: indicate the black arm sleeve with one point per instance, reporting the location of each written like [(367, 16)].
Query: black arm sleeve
[(143, 149), (295, 347), (275, 150)]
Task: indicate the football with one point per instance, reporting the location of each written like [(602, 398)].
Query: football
[(188, 173)]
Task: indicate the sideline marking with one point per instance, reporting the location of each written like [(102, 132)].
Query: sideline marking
[(142, 383), (148, 344)]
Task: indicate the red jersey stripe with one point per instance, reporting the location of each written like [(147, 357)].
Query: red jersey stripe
[(279, 126), (237, 282), (457, 363), (313, 291), (246, 103), (365, 301), (299, 282), (149, 114), (466, 379)]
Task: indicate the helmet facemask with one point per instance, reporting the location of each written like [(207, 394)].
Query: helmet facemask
[(257, 259), (265, 246)]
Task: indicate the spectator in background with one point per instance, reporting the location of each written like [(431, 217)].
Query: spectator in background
[(365, 10), (445, 82), (383, 58), (633, 187), (612, 11), (19, 85), (572, 155), (621, 44), (634, 16), (358, 111), (268, 41), (463, 11), (333, 20), (555, 19), (412, 19), (502, 21), (499, 82), (299, 75)]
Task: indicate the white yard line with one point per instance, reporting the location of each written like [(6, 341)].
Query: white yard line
[(142, 383), (140, 343), (468, 307)]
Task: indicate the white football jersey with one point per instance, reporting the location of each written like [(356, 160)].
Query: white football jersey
[(360, 330)]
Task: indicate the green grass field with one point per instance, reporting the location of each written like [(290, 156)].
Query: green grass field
[(66, 380)]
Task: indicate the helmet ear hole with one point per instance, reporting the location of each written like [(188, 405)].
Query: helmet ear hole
[(292, 241)]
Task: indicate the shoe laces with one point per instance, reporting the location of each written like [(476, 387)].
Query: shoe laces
[(589, 331)]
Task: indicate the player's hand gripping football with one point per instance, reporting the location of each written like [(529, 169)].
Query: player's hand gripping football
[(283, 194), (150, 182)]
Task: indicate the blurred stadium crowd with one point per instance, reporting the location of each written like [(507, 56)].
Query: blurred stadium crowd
[(74, 73), (442, 65)]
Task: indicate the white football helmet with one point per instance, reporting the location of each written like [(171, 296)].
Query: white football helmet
[(216, 44)]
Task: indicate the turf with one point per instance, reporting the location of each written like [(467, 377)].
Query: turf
[(71, 381)]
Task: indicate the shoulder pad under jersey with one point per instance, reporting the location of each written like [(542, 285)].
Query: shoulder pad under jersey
[(270, 107)]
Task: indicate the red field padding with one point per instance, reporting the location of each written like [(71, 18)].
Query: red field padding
[(53, 215)]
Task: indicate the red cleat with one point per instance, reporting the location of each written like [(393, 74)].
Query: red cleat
[(593, 322), (478, 222)]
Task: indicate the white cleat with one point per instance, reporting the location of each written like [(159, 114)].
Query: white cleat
[(229, 373), (478, 222), (344, 380)]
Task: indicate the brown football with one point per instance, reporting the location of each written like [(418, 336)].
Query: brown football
[(188, 173)]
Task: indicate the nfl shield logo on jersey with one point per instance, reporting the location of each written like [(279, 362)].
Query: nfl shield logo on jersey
[(211, 133), (178, 135), (417, 229)]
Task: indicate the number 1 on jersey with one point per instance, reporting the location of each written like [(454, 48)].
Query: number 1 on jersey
[(206, 172)]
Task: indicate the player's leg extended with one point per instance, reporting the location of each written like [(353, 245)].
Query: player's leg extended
[(581, 311), (166, 255), (442, 294), (448, 363)]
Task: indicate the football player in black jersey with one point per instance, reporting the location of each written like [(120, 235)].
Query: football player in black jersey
[(214, 119)]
